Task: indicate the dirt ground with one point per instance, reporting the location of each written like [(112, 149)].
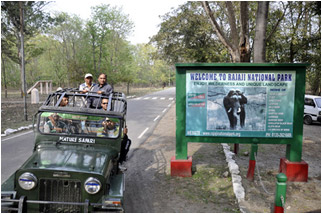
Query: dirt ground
[(150, 188), (301, 197), (11, 118)]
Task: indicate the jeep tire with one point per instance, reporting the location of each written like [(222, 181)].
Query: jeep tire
[(308, 120)]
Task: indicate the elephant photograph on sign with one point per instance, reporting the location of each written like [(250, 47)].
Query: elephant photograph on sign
[(234, 108), (234, 104)]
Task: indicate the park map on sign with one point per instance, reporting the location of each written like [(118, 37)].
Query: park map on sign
[(243, 104)]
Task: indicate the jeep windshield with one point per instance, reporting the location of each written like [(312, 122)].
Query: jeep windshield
[(82, 125)]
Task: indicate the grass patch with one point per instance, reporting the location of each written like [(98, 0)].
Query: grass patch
[(207, 185)]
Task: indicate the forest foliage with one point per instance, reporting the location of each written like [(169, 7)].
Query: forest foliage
[(69, 47), (64, 47), (292, 34)]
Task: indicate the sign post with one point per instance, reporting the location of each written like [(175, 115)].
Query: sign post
[(241, 103)]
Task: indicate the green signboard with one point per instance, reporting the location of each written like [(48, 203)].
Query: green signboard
[(243, 104)]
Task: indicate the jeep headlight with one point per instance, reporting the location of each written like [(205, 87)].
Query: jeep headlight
[(92, 185), (27, 181)]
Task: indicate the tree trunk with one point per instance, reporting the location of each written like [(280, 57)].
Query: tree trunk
[(94, 62), (260, 35), (22, 54), (292, 52), (235, 55), (100, 59), (4, 78), (244, 47), (240, 53), (128, 88), (219, 31)]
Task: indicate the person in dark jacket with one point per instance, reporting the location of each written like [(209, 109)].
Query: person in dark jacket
[(101, 88), (125, 146)]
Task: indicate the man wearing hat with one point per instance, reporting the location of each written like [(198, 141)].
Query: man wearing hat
[(109, 128), (88, 85)]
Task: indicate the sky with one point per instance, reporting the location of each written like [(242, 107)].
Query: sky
[(144, 13)]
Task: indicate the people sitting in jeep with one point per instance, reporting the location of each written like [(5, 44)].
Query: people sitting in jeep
[(63, 123), (108, 128), (55, 124), (64, 101)]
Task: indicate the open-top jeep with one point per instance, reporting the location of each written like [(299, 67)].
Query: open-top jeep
[(75, 162)]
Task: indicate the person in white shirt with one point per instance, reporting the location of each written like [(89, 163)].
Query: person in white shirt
[(88, 85)]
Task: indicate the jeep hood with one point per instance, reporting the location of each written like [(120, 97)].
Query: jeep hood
[(67, 158)]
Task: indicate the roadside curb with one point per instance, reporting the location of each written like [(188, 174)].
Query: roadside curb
[(130, 97), (238, 188), (10, 131)]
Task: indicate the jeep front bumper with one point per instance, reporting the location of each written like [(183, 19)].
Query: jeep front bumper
[(10, 204)]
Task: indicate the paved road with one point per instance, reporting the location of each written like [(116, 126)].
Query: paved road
[(142, 116)]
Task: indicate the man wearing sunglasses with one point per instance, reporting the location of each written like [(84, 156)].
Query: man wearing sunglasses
[(104, 104)]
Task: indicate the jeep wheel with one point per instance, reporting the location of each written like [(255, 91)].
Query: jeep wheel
[(308, 120)]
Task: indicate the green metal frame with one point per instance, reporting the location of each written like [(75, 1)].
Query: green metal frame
[(294, 144)]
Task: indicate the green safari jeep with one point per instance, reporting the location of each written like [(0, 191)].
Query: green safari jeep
[(75, 162)]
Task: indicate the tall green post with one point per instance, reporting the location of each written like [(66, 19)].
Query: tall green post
[(181, 142)]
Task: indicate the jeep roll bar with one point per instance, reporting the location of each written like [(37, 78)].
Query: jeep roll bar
[(117, 100)]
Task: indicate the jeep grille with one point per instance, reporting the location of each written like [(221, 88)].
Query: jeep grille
[(62, 191)]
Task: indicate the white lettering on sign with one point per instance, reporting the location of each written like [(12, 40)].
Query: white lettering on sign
[(86, 140), (75, 140), (68, 139)]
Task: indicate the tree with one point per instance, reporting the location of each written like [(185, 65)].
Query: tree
[(10, 72), (35, 21), (260, 33), (185, 36), (51, 64), (3, 70), (298, 39), (22, 56), (15, 29), (72, 49), (70, 42), (107, 28), (239, 48), (149, 71), (93, 35)]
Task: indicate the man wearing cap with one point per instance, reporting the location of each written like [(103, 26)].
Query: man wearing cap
[(88, 85), (108, 129)]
